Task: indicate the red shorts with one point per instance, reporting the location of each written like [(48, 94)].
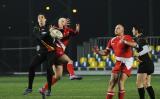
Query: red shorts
[(120, 67), (59, 51)]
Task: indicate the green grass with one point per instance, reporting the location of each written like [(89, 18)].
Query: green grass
[(91, 87)]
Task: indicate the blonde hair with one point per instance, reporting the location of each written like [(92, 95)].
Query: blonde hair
[(61, 19)]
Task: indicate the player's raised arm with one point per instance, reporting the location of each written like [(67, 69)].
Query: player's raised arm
[(77, 28), (104, 52)]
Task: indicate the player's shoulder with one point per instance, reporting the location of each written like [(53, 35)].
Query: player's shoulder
[(127, 35), (113, 38)]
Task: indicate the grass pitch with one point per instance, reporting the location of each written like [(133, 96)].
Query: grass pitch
[(91, 87)]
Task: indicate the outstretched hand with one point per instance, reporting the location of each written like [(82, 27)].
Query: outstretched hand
[(68, 22), (53, 27), (77, 27)]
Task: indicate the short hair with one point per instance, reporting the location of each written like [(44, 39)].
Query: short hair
[(61, 19), (120, 25), (41, 13), (138, 28)]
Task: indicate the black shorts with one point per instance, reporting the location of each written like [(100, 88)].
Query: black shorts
[(145, 67)]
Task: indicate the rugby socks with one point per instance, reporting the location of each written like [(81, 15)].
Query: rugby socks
[(54, 80), (70, 69), (141, 92), (49, 79), (121, 94), (110, 95), (31, 76), (151, 92)]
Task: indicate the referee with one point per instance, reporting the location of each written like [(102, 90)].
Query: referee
[(146, 66)]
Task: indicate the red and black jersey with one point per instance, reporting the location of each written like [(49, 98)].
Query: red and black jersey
[(43, 38)]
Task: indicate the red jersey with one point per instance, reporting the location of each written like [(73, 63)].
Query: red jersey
[(67, 33), (62, 44), (120, 49)]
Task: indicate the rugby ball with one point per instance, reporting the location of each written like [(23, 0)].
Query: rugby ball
[(55, 33)]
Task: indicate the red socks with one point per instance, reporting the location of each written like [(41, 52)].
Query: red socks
[(121, 94), (70, 69), (53, 83), (110, 95)]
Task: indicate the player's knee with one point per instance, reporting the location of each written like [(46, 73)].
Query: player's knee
[(58, 77), (70, 62), (113, 80), (32, 68), (55, 76), (110, 82), (138, 84), (121, 83), (31, 72), (147, 84)]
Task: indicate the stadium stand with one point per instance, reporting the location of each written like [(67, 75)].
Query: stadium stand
[(88, 60)]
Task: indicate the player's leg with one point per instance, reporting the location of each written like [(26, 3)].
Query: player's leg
[(125, 73), (49, 77), (70, 67), (58, 74), (51, 57), (56, 77), (113, 81), (58, 70), (149, 87), (47, 85), (121, 84), (140, 85), (37, 60)]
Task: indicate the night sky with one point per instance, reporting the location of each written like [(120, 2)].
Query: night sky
[(93, 15), (96, 17)]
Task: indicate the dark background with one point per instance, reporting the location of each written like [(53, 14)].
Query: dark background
[(97, 18)]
